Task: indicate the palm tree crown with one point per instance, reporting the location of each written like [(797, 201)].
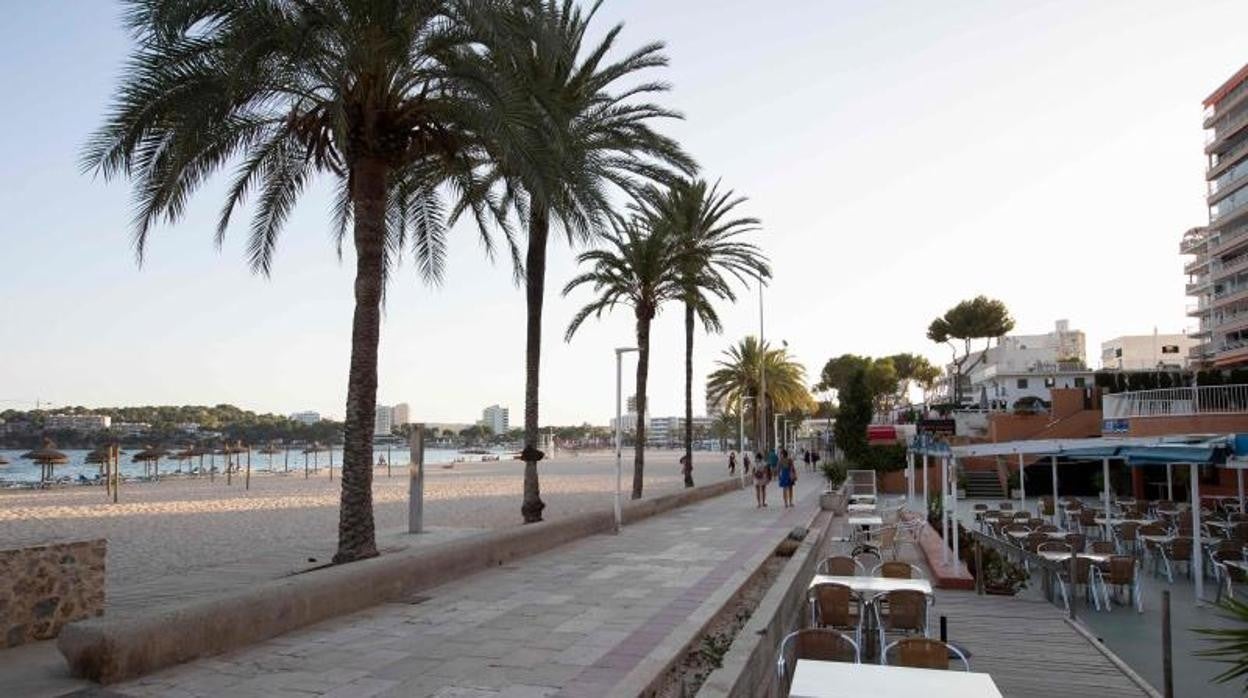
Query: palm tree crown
[(369, 92), (738, 378), (712, 255)]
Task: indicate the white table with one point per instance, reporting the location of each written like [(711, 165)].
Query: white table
[(861, 507), (866, 520), (1100, 520), (1060, 556), (869, 586), (814, 679)]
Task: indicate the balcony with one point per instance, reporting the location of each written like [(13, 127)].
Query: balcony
[(1226, 240), (1218, 192), (1229, 296), (1228, 102), (1197, 286), (1223, 134), (1198, 309), (1193, 241), (1226, 160), (1176, 402), (1221, 270), (1232, 352), (1196, 265)]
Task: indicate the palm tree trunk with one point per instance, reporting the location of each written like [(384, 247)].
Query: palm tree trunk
[(535, 285), (356, 535), (643, 372), (688, 395)]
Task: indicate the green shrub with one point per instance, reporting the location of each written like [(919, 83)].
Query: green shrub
[(835, 473)]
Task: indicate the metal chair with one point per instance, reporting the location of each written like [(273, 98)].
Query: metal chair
[(1227, 575), (840, 565), (836, 606), (1085, 576), (1102, 547), (814, 643), (1126, 536), (1177, 552), (922, 653), (901, 610), (1121, 572), (898, 570)]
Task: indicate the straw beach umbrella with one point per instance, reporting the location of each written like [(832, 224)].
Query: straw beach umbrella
[(4, 461), (270, 450), (150, 458), (48, 458), (185, 454)]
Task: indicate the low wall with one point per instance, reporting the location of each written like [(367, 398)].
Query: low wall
[(951, 575), (108, 650), (748, 669), (45, 587)]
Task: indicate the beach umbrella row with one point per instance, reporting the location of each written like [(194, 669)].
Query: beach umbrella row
[(48, 458)]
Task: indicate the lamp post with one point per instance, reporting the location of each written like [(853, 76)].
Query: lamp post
[(761, 402), (619, 358)]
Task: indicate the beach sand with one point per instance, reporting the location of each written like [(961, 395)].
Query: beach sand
[(166, 529)]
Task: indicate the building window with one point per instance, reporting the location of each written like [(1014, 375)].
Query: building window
[(1050, 382), (1170, 349), (1080, 382), (1022, 383)]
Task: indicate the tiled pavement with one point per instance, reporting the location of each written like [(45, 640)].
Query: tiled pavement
[(574, 621)]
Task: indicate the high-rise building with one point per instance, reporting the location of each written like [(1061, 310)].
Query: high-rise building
[(495, 418), (401, 414), (1218, 275), (307, 417), (383, 421)]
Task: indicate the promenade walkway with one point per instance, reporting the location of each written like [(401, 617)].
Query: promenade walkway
[(602, 615)]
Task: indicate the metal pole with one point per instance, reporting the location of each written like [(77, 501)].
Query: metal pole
[(762, 373), (248, 481), (1022, 486), (1198, 573), (1239, 479), (944, 504), (1170, 481), (1053, 467), (416, 480), (619, 382), (1167, 661), (740, 415), (1105, 494), (910, 478), (979, 568), (953, 493), (925, 466), (116, 471)]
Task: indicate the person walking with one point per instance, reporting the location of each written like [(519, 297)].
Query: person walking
[(773, 461), (806, 458), (745, 464), (732, 463), (788, 476), (762, 476)]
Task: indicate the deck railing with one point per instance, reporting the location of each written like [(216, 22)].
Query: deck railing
[(1177, 402)]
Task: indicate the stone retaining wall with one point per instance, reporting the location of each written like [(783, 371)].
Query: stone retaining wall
[(45, 587)]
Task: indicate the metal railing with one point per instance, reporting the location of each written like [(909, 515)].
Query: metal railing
[(1177, 402)]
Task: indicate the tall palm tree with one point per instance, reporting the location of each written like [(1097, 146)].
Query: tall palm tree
[(701, 219), (637, 268), (363, 91), (592, 135), (737, 378)]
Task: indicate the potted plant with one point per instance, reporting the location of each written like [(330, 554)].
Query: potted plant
[(1000, 576), (834, 498)]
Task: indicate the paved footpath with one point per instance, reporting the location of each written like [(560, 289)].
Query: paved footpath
[(578, 620)]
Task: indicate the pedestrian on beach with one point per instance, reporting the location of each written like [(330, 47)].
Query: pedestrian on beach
[(745, 463), (773, 462), (686, 467), (806, 458), (732, 462), (788, 476), (762, 475), (814, 461)]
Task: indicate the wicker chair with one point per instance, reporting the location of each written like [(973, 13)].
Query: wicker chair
[(840, 565), (836, 606), (1228, 575), (1076, 541), (1177, 552), (922, 653), (897, 570), (1085, 576), (1006, 506), (1126, 535), (813, 643), (1102, 547), (903, 611), (1121, 572)]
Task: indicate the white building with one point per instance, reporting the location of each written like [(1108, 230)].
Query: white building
[(496, 419), (1019, 366), (1145, 352), (383, 421), (78, 422), (669, 431), (130, 428), (402, 414), (308, 417)]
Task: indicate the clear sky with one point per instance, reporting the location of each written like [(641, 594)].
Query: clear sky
[(902, 155)]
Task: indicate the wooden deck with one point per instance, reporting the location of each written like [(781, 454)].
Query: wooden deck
[(1029, 648)]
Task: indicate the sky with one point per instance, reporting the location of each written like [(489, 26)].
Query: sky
[(902, 156)]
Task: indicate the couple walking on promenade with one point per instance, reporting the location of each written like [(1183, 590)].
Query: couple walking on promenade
[(777, 466)]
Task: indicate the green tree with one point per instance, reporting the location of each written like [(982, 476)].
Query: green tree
[(702, 220), (591, 135), (367, 92), (850, 429), (978, 318), (914, 370), (737, 379), (637, 268)]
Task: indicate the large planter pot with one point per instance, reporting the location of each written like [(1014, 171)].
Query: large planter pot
[(834, 502)]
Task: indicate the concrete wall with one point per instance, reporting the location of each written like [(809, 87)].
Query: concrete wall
[(45, 587), (115, 649)]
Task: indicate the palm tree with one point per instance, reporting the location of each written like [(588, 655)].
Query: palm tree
[(636, 268), (700, 218), (737, 378), (590, 136), (367, 92)]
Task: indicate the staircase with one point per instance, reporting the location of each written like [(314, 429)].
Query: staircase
[(983, 484)]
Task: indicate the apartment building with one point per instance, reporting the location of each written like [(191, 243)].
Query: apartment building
[(1147, 352), (1218, 270), (77, 422)]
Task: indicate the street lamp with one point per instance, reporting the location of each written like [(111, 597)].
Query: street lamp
[(619, 357)]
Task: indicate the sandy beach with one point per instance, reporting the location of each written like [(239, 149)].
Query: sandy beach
[(183, 524)]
